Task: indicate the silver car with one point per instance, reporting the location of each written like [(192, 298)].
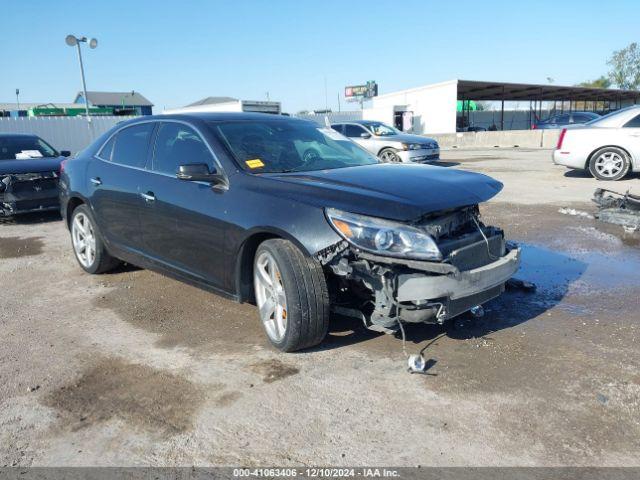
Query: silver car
[(389, 144)]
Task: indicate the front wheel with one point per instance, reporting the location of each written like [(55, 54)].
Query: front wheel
[(609, 163), (389, 155), (87, 243), (291, 295)]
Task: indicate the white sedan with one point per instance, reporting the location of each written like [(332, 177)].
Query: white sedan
[(608, 147)]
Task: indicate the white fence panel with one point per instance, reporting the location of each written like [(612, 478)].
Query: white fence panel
[(63, 133)]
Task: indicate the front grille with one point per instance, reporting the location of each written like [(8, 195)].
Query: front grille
[(36, 185), (476, 254)]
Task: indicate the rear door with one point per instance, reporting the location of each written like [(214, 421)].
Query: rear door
[(114, 178), (182, 220)]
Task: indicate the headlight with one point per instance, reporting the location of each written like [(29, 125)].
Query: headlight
[(384, 237), (413, 146)]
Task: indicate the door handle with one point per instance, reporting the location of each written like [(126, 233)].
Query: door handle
[(96, 181), (148, 197)]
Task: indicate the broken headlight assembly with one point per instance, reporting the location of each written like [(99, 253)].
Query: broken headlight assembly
[(383, 237)]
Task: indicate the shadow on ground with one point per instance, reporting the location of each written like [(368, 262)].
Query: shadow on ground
[(31, 218)]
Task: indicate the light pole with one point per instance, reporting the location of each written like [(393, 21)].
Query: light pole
[(18, 99), (74, 41)]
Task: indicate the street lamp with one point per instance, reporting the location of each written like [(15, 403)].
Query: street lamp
[(74, 41)]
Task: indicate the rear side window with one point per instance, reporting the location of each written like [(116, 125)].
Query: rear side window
[(107, 149), (633, 123), (131, 145), (178, 144)]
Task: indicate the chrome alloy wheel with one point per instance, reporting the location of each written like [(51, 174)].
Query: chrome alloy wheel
[(270, 296), (84, 240), (609, 164), (389, 156)]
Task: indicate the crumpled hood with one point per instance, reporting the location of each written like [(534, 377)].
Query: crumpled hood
[(395, 191), (31, 165)]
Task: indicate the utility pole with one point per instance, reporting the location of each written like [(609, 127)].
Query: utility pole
[(74, 41)]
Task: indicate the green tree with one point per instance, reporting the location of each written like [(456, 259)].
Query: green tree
[(602, 82), (625, 67)]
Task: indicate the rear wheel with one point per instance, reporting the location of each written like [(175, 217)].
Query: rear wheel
[(87, 243), (609, 163), (389, 155), (291, 295)]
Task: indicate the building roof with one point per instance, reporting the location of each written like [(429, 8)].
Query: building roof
[(212, 100), (26, 106), (116, 98), (478, 90)]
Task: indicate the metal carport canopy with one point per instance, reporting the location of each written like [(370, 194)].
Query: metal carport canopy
[(477, 90)]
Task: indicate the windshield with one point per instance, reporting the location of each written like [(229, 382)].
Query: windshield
[(24, 148), (280, 146), (381, 129)]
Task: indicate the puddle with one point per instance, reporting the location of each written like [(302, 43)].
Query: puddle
[(16, 247), (274, 370), (148, 398)]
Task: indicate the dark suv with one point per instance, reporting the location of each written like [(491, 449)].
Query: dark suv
[(292, 217)]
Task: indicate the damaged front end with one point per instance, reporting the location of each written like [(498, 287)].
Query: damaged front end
[(28, 192), (618, 208), (469, 265)]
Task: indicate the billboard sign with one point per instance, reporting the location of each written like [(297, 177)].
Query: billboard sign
[(370, 89)]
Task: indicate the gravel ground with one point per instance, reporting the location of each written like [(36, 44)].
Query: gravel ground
[(133, 368)]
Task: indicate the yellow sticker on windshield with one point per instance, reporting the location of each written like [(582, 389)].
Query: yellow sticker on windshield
[(255, 163)]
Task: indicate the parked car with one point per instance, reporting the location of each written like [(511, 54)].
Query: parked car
[(609, 147), (564, 120), (389, 144), (29, 169), (287, 215)]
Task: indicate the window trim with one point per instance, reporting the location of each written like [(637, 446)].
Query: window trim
[(156, 122)]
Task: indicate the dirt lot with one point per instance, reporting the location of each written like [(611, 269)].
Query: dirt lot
[(132, 368)]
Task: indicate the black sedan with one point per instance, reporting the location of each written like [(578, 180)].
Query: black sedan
[(287, 215), (29, 170)]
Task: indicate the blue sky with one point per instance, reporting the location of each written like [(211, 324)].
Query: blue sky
[(176, 52)]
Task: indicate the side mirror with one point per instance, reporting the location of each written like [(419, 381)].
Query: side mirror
[(199, 172), (65, 153), (365, 135)]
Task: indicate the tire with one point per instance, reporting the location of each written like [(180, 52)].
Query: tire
[(88, 246), (609, 164), (296, 314), (389, 155)]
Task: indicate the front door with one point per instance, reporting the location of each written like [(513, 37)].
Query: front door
[(182, 220)]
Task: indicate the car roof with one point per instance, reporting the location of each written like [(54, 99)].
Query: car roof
[(17, 135), (219, 117)]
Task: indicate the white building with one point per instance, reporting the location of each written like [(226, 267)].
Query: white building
[(433, 108), (429, 109), (228, 104)]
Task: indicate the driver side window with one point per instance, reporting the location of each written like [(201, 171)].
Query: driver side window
[(353, 131), (177, 144)]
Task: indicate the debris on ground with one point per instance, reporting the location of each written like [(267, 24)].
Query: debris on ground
[(517, 284), (574, 212), (618, 208)]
